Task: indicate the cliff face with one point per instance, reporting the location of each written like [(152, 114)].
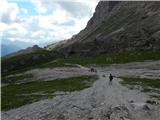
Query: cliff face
[(101, 12), (118, 27)]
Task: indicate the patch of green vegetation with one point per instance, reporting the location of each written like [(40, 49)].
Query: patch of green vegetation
[(24, 62), (56, 63), (56, 60), (148, 85), (11, 102), (15, 78), (105, 59), (153, 83), (13, 94)]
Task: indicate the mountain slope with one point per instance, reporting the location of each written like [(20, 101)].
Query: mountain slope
[(118, 27), (35, 48)]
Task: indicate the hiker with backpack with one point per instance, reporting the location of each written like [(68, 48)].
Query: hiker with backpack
[(110, 79)]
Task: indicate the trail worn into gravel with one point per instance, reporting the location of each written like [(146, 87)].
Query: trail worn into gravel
[(99, 102)]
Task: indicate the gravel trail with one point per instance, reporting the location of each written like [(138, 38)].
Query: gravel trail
[(99, 102)]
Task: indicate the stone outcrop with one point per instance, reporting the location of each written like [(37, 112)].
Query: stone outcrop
[(118, 27)]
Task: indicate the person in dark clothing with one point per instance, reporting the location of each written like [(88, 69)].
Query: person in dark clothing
[(110, 79), (93, 70)]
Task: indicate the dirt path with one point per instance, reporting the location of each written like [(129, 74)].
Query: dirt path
[(47, 74), (99, 102)]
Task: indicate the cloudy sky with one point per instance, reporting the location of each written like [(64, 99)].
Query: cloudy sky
[(43, 21)]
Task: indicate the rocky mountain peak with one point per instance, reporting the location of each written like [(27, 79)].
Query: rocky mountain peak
[(101, 11), (35, 46), (124, 26)]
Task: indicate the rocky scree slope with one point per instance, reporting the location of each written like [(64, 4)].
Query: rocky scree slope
[(117, 27)]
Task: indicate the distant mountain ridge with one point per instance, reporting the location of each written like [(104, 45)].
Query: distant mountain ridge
[(117, 26), (8, 47), (34, 48)]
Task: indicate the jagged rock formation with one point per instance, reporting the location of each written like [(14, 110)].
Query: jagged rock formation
[(118, 27)]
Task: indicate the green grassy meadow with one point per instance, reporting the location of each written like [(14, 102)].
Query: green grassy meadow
[(16, 95)]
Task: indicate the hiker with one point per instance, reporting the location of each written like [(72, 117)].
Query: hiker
[(93, 70), (110, 79)]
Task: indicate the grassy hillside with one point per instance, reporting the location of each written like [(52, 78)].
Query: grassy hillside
[(22, 62), (16, 95), (15, 78), (45, 59), (104, 59)]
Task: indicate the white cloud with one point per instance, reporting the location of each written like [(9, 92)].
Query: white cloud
[(61, 23), (24, 11), (40, 6), (57, 18), (43, 5), (3, 27), (8, 11), (76, 8)]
